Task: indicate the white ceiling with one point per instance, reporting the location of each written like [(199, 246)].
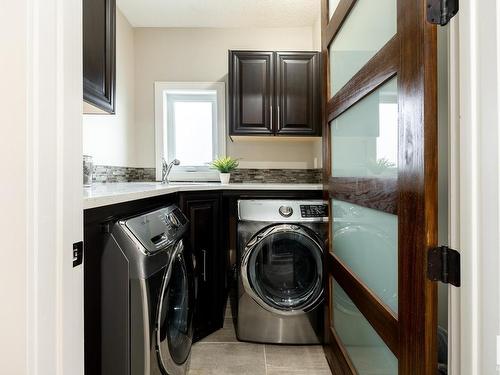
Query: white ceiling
[(220, 13)]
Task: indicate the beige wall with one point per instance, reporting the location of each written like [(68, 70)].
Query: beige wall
[(317, 32), (146, 55), (110, 139), (201, 55)]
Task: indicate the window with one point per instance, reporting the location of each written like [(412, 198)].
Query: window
[(189, 126)]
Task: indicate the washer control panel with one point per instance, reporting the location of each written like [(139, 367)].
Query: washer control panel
[(313, 210), (158, 229)]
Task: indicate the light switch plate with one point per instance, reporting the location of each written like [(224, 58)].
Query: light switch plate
[(77, 253)]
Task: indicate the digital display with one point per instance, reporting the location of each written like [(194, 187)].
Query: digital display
[(314, 210)]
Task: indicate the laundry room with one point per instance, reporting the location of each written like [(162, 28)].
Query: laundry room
[(241, 166), (186, 272), (250, 187)]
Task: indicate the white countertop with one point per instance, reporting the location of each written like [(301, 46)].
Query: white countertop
[(103, 194)]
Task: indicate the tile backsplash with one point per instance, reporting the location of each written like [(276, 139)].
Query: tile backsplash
[(105, 173), (295, 176)]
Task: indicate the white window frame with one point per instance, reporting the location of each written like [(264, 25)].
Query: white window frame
[(163, 121)]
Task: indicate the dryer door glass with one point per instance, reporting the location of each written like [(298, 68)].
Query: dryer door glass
[(285, 270), (175, 315)]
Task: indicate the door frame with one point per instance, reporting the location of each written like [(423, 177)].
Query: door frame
[(53, 169), (475, 187)]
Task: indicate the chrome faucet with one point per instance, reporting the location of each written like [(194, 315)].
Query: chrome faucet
[(166, 168)]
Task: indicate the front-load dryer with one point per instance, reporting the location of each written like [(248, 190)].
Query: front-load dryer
[(280, 278), (147, 296)]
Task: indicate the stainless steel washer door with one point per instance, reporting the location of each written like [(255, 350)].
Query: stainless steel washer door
[(282, 269), (174, 333)]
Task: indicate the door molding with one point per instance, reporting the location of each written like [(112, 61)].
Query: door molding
[(454, 329), (54, 201), (475, 187)]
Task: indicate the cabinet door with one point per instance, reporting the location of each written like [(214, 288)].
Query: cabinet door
[(99, 53), (251, 88), (203, 212), (298, 93)]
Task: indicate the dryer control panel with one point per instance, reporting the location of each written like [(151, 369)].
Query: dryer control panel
[(282, 211)]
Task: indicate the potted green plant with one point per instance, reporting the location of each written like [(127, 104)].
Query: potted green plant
[(225, 165)]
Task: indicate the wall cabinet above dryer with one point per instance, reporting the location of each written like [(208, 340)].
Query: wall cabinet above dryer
[(274, 93)]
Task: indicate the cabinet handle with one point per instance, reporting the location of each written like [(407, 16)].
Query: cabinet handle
[(204, 252), (271, 116), (279, 124)]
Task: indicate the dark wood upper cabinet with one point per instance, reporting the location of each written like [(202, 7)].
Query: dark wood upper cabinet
[(298, 93), (251, 75), (99, 50), (274, 93)]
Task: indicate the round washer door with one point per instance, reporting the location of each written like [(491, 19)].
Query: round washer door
[(282, 269), (175, 314)]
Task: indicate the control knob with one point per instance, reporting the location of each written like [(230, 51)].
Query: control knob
[(286, 211), (173, 220)]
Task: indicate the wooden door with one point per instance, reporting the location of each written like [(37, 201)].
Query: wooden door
[(251, 92), (203, 212), (380, 164), (298, 93)]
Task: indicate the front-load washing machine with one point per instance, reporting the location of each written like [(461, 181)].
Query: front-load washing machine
[(280, 279), (147, 296)]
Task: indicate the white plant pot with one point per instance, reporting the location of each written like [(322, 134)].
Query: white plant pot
[(224, 178)]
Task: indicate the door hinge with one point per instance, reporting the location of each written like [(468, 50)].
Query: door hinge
[(440, 12), (443, 264)]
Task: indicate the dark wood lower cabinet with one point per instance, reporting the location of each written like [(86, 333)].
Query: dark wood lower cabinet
[(205, 241)]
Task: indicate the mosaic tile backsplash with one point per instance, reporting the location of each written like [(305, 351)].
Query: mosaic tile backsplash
[(291, 176), (105, 173)]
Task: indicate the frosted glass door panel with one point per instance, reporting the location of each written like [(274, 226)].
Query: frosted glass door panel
[(367, 351), (366, 241), (369, 26), (332, 5), (365, 137)]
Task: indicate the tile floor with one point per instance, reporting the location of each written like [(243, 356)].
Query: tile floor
[(222, 354)]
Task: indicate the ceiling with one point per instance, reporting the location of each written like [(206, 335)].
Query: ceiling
[(220, 13)]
